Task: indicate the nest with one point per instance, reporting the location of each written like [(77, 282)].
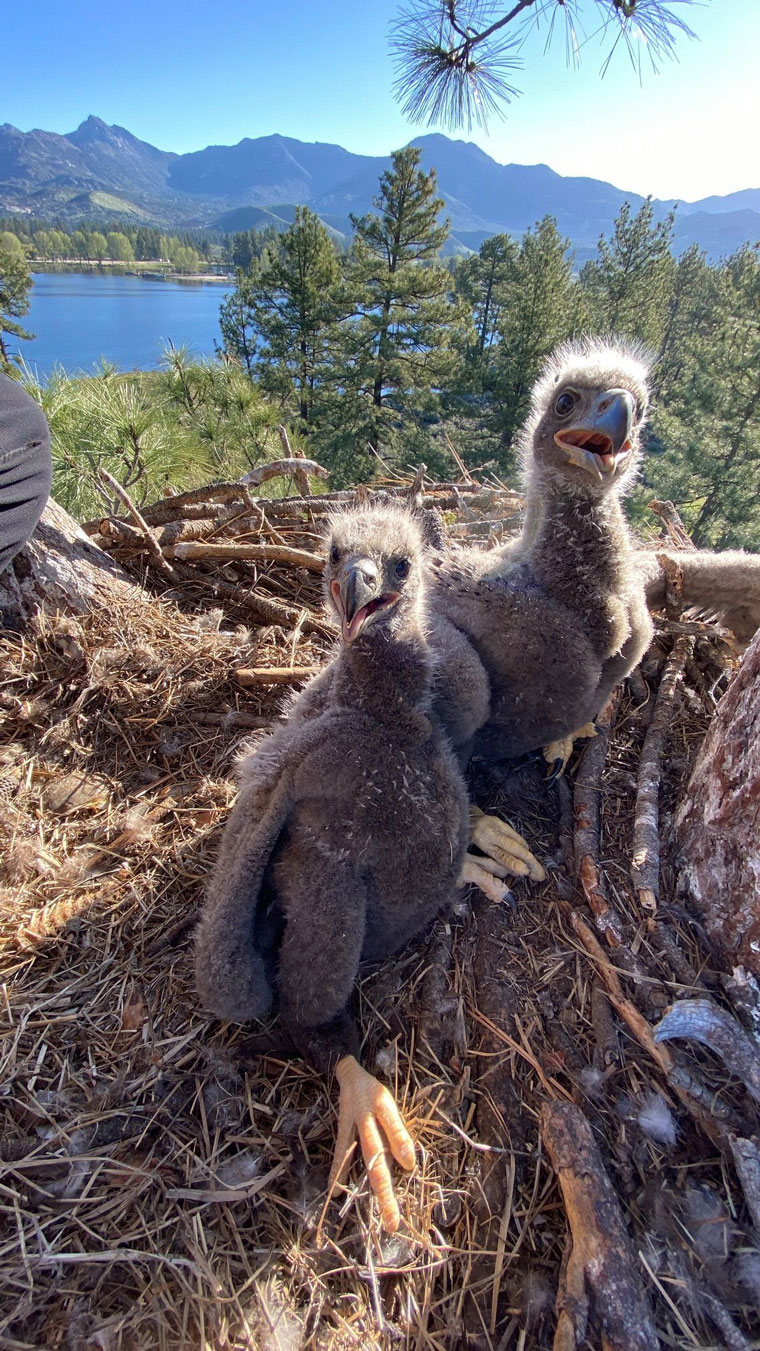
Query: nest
[(164, 1175)]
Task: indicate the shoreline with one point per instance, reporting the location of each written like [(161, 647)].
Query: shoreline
[(148, 272)]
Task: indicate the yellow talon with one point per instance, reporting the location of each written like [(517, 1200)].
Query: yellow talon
[(365, 1105), (500, 842), (485, 874), (557, 753)]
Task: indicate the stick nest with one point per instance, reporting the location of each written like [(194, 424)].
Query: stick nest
[(163, 1175)]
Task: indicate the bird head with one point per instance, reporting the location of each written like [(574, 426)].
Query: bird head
[(587, 411), (373, 575)]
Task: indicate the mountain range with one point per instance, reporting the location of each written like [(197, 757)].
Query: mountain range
[(102, 172)]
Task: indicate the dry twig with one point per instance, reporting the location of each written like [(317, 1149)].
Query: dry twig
[(675, 527), (246, 553), (588, 811), (599, 1283), (274, 675), (149, 539), (645, 862), (298, 471)]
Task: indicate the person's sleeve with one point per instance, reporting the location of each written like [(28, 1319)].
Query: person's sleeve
[(25, 467)]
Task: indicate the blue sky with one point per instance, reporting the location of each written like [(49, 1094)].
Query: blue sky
[(184, 75)]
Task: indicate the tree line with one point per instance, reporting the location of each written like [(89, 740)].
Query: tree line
[(121, 243), (384, 354)]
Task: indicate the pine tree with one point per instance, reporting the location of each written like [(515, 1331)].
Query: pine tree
[(147, 243), (237, 320), (393, 348), (220, 412), (628, 284), (708, 429), (295, 306), (539, 305), (242, 251), (482, 281), (690, 314), (15, 285), (277, 320)]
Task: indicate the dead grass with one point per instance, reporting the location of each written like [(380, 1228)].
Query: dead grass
[(163, 1176)]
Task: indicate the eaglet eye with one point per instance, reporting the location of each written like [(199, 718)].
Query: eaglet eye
[(566, 402), (402, 568), (335, 554)]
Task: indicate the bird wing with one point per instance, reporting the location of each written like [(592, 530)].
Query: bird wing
[(461, 690), (230, 971), (725, 584)]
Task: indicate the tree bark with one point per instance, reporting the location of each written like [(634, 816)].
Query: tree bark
[(718, 822), (63, 569)]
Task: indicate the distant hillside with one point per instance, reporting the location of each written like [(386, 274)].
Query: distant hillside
[(95, 157), (747, 200), (102, 172), (718, 234), (279, 215), (270, 169)]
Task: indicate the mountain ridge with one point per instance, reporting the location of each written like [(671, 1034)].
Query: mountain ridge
[(50, 175)]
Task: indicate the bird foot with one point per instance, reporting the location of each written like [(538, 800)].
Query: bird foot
[(503, 845), (487, 875), (366, 1105), (557, 753)]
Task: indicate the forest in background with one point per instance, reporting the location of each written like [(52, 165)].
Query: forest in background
[(55, 246), (381, 355)]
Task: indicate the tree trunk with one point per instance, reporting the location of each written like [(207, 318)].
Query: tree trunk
[(61, 567), (718, 823)]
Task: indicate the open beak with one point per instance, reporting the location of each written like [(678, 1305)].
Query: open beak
[(602, 443), (357, 597)]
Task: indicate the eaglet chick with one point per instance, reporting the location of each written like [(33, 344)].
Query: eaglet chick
[(559, 616), (348, 837), (461, 701)]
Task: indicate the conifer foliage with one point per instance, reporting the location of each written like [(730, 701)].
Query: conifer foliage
[(708, 421), (384, 354), (15, 285), (278, 319), (359, 346), (396, 343), (539, 306), (405, 314), (629, 282)]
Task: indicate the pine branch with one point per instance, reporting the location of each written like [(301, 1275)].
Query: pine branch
[(452, 64)]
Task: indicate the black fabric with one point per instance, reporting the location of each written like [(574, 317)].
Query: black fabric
[(25, 467)]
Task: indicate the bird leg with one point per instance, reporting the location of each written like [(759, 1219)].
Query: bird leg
[(504, 846), (365, 1105), (557, 753)]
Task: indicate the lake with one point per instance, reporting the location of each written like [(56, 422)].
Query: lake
[(80, 318)]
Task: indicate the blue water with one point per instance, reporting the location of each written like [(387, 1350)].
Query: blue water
[(79, 319)]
